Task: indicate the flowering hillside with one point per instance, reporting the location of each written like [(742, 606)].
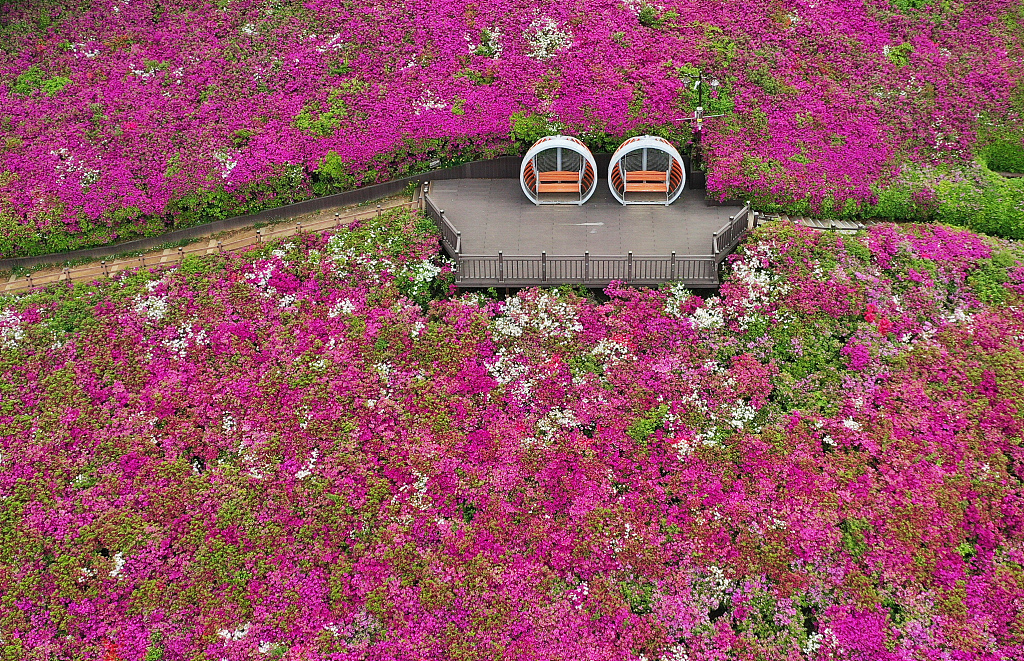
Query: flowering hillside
[(311, 451), (122, 118)]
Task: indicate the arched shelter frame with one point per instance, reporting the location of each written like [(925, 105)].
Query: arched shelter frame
[(646, 170), (558, 169)]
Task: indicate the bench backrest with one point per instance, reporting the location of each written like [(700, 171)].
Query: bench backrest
[(657, 176), (559, 175)]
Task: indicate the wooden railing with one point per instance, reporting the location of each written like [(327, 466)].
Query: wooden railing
[(450, 237), (586, 269), (174, 257), (725, 239)]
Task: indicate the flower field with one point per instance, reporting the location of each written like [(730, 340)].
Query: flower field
[(315, 451), (120, 119)]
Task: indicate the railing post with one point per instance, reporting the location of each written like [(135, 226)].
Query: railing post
[(67, 274), (30, 283), (501, 267), (378, 211), (629, 266), (714, 244), (298, 228), (673, 269), (458, 241), (181, 252), (544, 266), (220, 247), (586, 266), (103, 263), (337, 220), (750, 217)]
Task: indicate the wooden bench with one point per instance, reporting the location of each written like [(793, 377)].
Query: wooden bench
[(558, 181), (646, 181)]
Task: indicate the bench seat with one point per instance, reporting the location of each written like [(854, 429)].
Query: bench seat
[(647, 188), (558, 175), (646, 175), (558, 188)]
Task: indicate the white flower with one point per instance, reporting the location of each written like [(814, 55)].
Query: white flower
[(308, 470), (227, 163), (546, 39), (118, 564), (227, 423), (237, 634), (344, 306), (708, 317), (852, 424), (678, 294), (153, 307), (10, 329)]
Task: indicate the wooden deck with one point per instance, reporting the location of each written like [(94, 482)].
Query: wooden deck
[(499, 238)]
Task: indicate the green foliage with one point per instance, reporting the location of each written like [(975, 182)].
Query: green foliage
[(854, 540), (984, 202), (528, 128), (650, 17), (987, 281), (640, 596), (334, 175), (1005, 154), (900, 55), (488, 45), (907, 6), (240, 138), (323, 119), (459, 107), (642, 429), (33, 78)]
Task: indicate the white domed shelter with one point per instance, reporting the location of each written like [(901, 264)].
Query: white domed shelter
[(646, 170), (558, 169)]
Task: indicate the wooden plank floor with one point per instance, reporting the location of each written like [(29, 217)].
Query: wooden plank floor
[(494, 215)]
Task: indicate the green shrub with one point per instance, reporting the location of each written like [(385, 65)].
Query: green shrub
[(987, 281), (1006, 155), (528, 128), (983, 201)]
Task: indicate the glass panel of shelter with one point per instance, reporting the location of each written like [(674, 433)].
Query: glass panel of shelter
[(558, 159)]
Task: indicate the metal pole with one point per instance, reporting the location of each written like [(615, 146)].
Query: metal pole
[(501, 267)]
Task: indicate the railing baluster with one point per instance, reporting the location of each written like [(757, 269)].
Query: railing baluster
[(629, 266), (586, 266), (544, 266), (501, 267)]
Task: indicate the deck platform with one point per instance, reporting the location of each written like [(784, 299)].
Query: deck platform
[(499, 237)]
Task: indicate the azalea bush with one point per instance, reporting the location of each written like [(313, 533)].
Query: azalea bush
[(120, 119), (315, 450)]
